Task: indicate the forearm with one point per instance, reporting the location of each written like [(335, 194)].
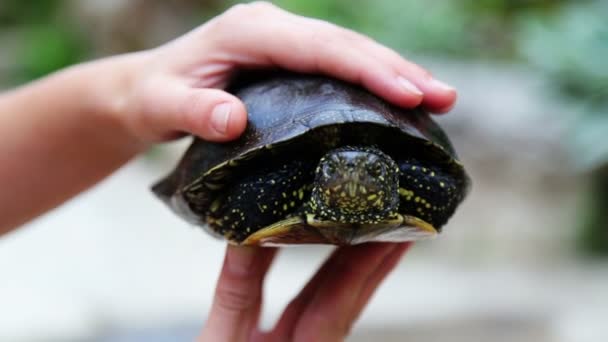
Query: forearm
[(60, 136)]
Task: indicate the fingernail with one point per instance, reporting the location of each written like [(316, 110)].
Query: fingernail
[(445, 109), (408, 86), (240, 259), (440, 85), (220, 116)]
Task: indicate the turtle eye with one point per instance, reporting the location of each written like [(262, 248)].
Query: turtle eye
[(328, 170), (376, 170)]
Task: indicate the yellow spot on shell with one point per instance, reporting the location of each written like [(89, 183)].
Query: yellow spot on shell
[(405, 192)]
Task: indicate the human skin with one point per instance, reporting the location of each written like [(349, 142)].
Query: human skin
[(63, 133)]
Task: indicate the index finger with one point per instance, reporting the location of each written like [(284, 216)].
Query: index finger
[(236, 306), (278, 38)]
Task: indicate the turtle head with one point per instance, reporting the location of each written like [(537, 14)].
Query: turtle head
[(355, 184)]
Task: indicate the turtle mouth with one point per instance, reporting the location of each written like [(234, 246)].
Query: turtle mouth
[(312, 229), (354, 186)]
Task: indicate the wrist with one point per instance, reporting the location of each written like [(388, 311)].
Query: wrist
[(107, 91)]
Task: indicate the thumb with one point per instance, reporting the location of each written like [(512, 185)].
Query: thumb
[(211, 114)]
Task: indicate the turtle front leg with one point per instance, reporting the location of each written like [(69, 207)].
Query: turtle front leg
[(268, 195)]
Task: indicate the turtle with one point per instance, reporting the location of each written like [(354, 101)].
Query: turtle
[(321, 161)]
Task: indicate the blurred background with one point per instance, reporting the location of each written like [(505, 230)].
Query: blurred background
[(525, 258)]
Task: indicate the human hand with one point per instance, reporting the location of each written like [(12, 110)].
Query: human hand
[(325, 308), (177, 87)]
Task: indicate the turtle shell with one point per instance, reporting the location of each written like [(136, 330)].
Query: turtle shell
[(283, 109)]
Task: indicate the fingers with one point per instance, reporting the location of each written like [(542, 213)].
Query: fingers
[(379, 274), (328, 305), (173, 107), (236, 305), (439, 97), (314, 46)]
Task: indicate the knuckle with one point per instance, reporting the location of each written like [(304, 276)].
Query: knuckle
[(234, 299), (262, 6), (192, 112), (234, 18), (356, 37), (322, 37), (253, 8)]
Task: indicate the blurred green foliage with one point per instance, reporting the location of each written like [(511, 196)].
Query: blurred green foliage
[(571, 47), (593, 235), (59, 47), (16, 12), (46, 41)]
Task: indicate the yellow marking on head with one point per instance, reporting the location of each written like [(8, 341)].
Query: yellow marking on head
[(215, 205)]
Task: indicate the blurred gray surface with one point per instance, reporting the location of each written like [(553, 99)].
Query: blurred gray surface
[(115, 265)]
